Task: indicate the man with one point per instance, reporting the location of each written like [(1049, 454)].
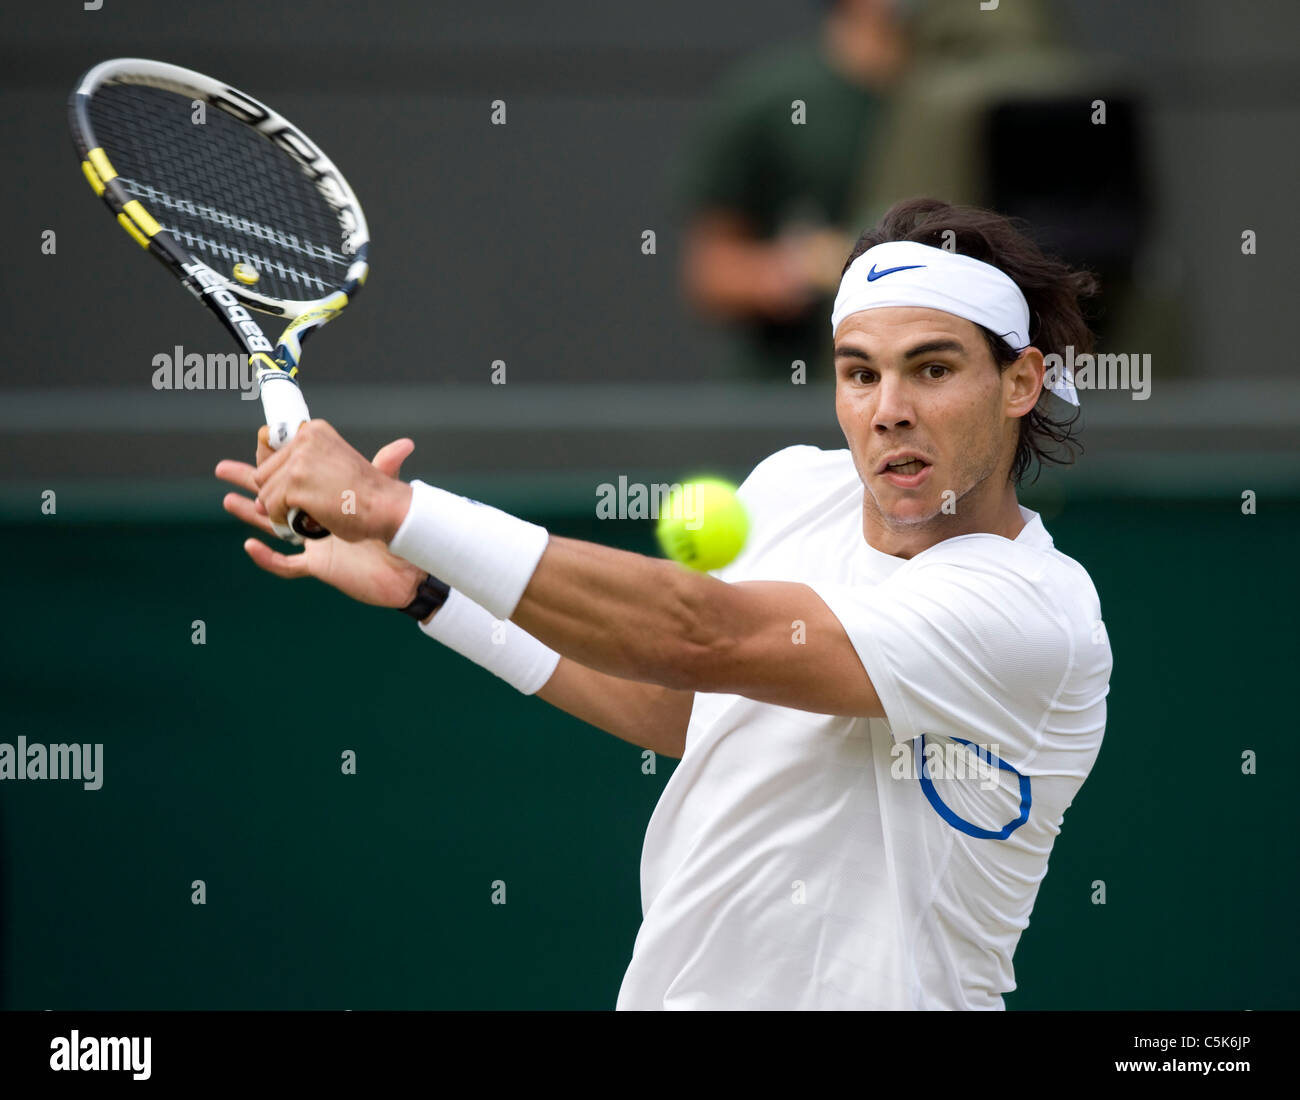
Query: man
[(883, 707)]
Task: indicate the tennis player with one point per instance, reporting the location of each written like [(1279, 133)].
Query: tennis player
[(883, 707)]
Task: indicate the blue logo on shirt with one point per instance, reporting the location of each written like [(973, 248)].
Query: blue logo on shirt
[(961, 824), (873, 274)]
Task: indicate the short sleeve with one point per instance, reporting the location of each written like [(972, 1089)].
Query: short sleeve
[(766, 493), (780, 471), (973, 649)]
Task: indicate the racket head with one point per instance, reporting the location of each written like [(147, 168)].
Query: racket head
[(243, 207), (237, 202)]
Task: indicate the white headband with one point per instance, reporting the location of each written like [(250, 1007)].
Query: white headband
[(904, 273)]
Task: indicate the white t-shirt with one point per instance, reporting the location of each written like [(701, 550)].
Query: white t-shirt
[(807, 861)]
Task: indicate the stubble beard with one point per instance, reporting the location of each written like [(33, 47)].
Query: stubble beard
[(938, 521)]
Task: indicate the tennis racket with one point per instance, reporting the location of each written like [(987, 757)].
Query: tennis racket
[(238, 204)]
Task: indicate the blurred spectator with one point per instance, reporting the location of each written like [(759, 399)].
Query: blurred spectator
[(768, 189)]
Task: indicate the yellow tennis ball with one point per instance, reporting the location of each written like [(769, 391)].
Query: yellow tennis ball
[(703, 524)]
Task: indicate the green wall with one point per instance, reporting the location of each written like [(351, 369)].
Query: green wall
[(373, 891)]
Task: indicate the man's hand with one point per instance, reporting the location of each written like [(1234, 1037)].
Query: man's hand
[(364, 570), (318, 472)]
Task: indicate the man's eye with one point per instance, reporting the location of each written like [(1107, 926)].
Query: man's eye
[(863, 376), (935, 370)]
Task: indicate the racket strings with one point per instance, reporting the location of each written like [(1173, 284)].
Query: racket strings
[(226, 193)]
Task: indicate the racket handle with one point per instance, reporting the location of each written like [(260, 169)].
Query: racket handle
[(286, 411)]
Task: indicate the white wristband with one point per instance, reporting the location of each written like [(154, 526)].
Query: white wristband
[(502, 648), (488, 554)]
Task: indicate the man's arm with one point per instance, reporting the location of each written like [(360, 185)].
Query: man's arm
[(633, 617), (639, 618), (729, 272), (647, 715)]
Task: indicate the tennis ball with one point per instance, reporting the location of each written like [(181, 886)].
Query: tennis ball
[(703, 525)]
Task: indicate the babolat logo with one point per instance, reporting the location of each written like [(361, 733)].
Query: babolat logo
[(210, 283)]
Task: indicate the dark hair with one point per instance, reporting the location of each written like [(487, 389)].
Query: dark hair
[(1053, 290)]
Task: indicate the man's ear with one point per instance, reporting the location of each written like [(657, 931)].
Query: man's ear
[(1022, 382)]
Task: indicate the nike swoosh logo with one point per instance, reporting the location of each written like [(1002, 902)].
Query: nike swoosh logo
[(873, 274)]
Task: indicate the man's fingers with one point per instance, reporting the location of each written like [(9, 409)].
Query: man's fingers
[(282, 565), (270, 463), (264, 450), (389, 458), (247, 510), (237, 473)]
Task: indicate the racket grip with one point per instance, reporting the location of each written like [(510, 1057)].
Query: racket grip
[(286, 411)]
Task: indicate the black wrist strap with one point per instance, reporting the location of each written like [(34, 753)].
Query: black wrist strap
[(432, 595)]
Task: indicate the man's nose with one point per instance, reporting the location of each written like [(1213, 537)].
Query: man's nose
[(893, 409)]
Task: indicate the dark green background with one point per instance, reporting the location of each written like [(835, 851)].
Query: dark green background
[(373, 891)]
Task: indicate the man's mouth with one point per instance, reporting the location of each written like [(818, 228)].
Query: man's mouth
[(905, 471), (906, 467)]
